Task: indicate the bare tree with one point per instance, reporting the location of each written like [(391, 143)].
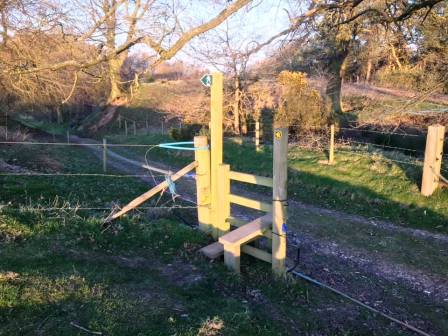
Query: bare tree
[(114, 27)]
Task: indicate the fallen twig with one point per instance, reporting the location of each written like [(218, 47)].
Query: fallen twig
[(73, 324)]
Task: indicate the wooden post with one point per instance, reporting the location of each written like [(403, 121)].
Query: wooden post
[(331, 149), (223, 209), (257, 136), (279, 199), (433, 159), (119, 121), (135, 128), (202, 157), (104, 154), (216, 105), (125, 127)]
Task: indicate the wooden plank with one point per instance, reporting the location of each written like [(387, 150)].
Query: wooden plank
[(257, 253), (232, 256), (250, 203), (216, 142), (251, 178), (247, 232), (279, 199), (213, 251), (147, 195), (203, 197), (236, 222)]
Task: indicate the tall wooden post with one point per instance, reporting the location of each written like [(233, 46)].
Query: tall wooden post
[(223, 208), (216, 136), (279, 199), (257, 135), (202, 157), (104, 155), (331, 148), (433, 159)]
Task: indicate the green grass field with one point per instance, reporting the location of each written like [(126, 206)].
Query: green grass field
[(62, 269)]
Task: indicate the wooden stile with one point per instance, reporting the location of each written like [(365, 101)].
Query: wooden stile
[(250, 203), (216, 139), (223, 208), (202, 157), (279, 199), (251, 178)]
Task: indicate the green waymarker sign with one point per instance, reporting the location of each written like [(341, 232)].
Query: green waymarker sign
[(207, 80)]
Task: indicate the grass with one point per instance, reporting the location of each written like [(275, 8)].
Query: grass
[(141, 276), (369, 183)]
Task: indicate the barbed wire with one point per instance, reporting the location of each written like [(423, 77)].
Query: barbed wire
[(383, 146), (26, 208), (25, 143), (381, 132), (418, 164), (78, 174)]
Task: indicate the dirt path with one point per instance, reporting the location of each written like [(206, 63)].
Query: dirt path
[(403, 269)]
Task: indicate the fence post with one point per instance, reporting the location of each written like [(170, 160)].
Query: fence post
[(257, 136), (223, 208), (6, 126), (433, 159), (104, 154), (216, 137), (203, 198), (135, 128), (126, 127), (279, 199), (331, 149)]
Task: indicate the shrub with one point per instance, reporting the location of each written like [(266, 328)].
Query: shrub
[(299, 103), (187, 132)]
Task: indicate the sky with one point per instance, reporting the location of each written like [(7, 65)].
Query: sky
[(257, 22)]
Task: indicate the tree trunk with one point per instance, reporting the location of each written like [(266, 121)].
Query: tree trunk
[(236, 107), (59, 115), (334, 84), (368, 70)]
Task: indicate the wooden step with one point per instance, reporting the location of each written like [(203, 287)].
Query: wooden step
[(247, 232), (213, 251), (232, 242)]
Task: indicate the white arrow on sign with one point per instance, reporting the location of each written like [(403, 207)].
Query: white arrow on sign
[(207, 80)]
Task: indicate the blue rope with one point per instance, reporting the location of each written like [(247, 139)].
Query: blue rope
[(181, 146)]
